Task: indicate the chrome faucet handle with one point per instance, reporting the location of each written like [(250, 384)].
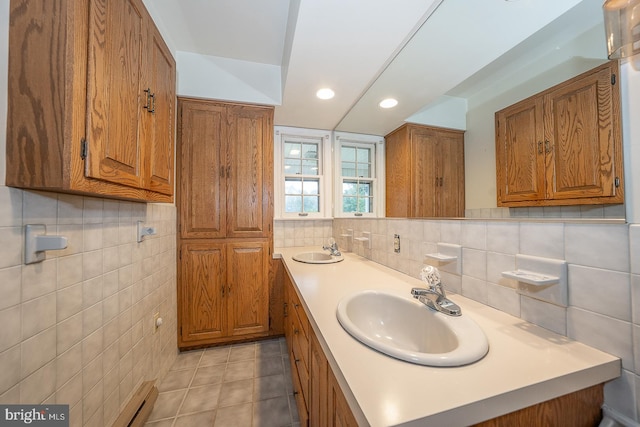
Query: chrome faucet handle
[(431, 276)]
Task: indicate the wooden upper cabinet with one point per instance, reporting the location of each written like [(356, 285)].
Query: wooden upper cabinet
[(161, 119), (77, 121), (424, 172), (226, 169), (563, 146)]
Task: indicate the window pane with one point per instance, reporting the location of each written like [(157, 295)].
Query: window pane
[(349, 188), (348, 169), (292, 150), (311, 204), (310, 167), (293, 186), (349, 204), (293, 203), (311, 187), (364, 205), (364, 155), (292, 167), (348, 154), (310, 151), (364, 189), (364, 170)]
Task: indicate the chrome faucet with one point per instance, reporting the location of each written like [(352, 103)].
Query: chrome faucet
[(434, 296), (332, 247)]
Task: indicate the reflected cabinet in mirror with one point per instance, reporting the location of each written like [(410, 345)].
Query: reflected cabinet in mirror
[(563, 146)]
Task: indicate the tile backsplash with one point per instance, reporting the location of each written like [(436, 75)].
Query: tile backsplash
[(603, 271), (78, 328)]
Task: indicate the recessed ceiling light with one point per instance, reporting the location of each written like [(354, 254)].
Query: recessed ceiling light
[(325, 93), (388, 103)]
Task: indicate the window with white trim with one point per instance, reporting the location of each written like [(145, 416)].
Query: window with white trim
[(301, 160), (360, 179)]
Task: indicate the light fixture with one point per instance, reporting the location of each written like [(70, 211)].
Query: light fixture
[(325, 93), (388, 103), (622, 27)]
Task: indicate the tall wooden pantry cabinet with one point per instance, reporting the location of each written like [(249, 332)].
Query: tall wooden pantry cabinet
[(225, 215), (424, 172)]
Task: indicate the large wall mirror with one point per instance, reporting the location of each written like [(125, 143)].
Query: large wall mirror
[(471, 59)]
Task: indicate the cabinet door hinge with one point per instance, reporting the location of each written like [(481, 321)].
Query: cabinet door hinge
[(617, 182), (613, 79), (181, 254), (84, 148)]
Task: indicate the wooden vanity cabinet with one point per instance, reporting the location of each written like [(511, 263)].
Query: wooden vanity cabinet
[(424, 172), (226, 273), (563, 146), (318, 396), (91, 100)]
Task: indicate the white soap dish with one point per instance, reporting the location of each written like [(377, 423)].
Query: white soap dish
[(442, 257), (531, 277)]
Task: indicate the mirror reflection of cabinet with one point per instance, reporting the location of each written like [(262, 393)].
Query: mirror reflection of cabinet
[(424, 172), (563, 146)]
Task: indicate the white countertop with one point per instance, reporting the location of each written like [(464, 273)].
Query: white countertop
[(525, 365)]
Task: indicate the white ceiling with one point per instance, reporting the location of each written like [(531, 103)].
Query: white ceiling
[(364, 50)]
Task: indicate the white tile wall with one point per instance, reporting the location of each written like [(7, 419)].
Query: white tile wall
[(77, 328), (604, 277)]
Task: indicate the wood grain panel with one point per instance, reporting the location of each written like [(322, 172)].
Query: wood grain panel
[(449, 200), (397, 163), (423, 172), (578, 123), (578, 409), (520, 151), (160, 123), (117, 51), (318, 390), (201, 289), (340, 414), (250, 174), (248, 287), (202, 165), (36, 116)]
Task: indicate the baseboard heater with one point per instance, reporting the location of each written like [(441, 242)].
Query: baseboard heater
[(138, 409)]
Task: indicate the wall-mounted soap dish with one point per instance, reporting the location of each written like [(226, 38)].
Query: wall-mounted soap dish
[(365, 239), (544, 279), (531, 277), (448, 257), (37, 242)]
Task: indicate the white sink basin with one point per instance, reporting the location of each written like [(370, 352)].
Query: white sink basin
[(402, 327), (317, 258)]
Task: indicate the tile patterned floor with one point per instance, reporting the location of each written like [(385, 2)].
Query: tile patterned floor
[(236, 385)]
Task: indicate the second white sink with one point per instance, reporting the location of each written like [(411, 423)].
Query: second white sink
[(404, 328), (317, 258)]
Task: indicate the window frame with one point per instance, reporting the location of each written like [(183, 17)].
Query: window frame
[(323, 138), (376, 143)]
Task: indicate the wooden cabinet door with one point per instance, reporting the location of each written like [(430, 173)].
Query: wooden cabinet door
[(318, 383), (520, 152), (579, 137), (247, 287), (202, 138), (397, 174), (250, 171), (424, 172), (449, 190), (202, 290), (160, 117), (117, 50), (340, 414)]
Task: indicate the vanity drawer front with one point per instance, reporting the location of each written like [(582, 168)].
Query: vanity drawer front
[(296, 307), (300, 342), (303, 414)]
